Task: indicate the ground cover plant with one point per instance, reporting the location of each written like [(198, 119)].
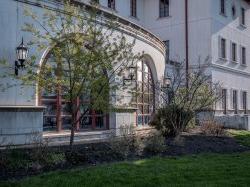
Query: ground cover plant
[(243, 137), (194, 170)]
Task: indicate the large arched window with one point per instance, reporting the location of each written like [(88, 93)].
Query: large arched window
[(144, 99), (57, 116)]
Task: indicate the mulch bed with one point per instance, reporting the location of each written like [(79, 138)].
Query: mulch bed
[(94, 154)]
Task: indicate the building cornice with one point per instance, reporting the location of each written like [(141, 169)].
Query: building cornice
[(126, 26), (227, 69)]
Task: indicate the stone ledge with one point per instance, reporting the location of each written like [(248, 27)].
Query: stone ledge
[(22, 108)]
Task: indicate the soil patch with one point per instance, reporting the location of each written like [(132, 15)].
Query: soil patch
[(27, 162)]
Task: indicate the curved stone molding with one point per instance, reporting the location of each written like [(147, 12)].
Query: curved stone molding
[(126, 26)]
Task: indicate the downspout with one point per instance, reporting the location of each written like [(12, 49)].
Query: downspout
[(186, 43)]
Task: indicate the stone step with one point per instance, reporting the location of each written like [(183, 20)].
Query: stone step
[(63, 138)]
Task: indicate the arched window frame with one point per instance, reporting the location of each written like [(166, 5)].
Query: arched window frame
[(144, 96)]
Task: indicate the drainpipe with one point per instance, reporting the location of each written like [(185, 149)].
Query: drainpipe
[(186, 42)]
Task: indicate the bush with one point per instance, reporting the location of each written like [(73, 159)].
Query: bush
[(211, 127), (171, 120), (155, 143), (127, 144), (76, 157)]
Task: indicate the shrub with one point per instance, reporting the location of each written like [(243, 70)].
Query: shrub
[(155, 143), (127, 144), (76, 157), (171, 120), (211, 127)]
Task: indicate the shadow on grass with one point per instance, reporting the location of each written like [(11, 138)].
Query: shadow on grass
[(198, 170)]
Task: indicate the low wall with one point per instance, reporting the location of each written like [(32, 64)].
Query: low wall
[(240, 122), (234, 122), (20, 125)]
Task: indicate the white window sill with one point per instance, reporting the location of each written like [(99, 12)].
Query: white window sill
[(109, 9), (243, 26), (165, 17), (234, 62), (223, 14), (222, 59), (135, 18), (243, 65)]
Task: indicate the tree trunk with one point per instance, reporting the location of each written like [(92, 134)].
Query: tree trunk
[(73, 120)]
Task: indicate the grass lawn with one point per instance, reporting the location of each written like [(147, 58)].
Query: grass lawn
[(201, 170), (243, 137)]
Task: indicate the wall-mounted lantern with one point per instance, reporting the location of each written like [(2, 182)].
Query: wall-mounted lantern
[(132, 74), (22, 54), (166, 89), (166, 82)]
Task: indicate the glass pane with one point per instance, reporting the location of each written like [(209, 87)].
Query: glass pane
[(66, 122), (50, 108), (145, 67), (139, 120), (146, 120), (145, 77), (146, 98), (66, 109), (139, 66), (49, 123), (139, 76), (146, 109), (139, 87), (100, 122), (140, 109), (151, 99), (86, 122), (140, 96)]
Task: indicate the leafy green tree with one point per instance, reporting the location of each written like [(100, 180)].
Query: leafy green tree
[(87, 53)]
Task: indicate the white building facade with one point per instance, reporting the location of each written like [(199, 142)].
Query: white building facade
[(192, 31)]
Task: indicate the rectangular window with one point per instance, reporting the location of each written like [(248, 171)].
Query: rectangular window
[(243, 55), (224, 101), (167, 44), (235, 102), (164, 8), (244, 101), (222, 7), (133, 8), (243, 18), (111, 4), (94, 1), (234, 52), (223, 48)]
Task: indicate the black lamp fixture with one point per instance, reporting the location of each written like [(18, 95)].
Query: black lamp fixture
[(131, 75), (166, 82), (22, 54)]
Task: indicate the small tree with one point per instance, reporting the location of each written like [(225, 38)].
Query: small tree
[(183, 102), (87, 52)]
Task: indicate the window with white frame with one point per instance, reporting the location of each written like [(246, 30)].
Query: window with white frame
[(233, 11), (111, 4), (235, 101), (223, 48), (244, 101), (243, 55), (133, 8), (224, 101), (233, 52), (164, 8), (243, 16), (222, 7)]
